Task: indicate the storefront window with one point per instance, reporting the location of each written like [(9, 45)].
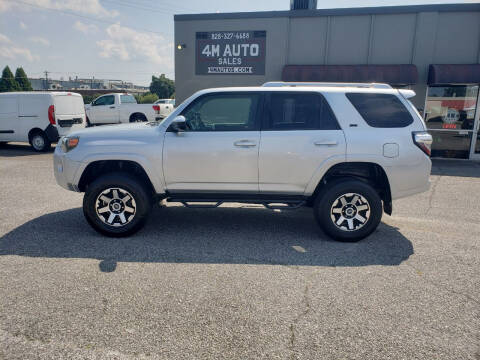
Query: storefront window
[(450, 117)]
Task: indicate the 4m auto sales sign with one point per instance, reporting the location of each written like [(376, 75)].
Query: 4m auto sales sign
[(230, 53)]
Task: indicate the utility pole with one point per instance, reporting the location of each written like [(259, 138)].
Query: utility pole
[(46, 80)]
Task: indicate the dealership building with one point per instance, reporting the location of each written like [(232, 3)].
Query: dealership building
[(432, 49)]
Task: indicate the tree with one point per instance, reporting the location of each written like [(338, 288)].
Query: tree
[(7, 82), (147, 98), (22, 80), (162, 86)]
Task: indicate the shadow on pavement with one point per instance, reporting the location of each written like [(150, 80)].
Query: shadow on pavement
[(460, 168), (214, 236), (20, 149)]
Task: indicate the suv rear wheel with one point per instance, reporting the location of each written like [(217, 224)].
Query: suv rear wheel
[(348, 210), (116, 205)]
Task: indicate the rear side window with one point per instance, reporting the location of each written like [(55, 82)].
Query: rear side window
[(299, 111), (127, 99), (381, 110)]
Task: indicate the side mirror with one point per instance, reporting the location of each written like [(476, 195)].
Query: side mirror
[(179, 124)]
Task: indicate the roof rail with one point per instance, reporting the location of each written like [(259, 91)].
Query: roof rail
[(327, 84)]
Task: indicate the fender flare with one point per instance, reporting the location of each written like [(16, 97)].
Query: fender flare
[(156, 179)]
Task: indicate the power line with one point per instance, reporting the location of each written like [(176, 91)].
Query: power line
[(89, 18), (148, 9)]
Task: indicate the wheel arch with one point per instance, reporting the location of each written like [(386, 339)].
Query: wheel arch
[(370, 172), (33, 131), (137, 114), (101, 167)]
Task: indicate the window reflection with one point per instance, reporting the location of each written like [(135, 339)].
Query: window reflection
[(451, 107)]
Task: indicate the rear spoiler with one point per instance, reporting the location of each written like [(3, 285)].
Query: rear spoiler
[(406, 93)]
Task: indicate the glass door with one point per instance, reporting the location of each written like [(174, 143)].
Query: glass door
[(452, 119), (475, 150)]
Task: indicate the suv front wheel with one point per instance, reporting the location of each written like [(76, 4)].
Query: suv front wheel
[(116, 205), (348, 210)]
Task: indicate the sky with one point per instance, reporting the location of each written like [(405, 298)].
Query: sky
[(128, 40)]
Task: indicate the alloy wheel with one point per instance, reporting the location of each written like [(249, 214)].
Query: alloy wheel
[(38, 142), (350, 212), (115, 207)]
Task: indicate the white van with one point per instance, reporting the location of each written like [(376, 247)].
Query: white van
[(40, 117)]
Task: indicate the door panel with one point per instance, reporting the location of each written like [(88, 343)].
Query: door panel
[(211, 161), (299, 133), (8, 117), (105, 111), (32, 113), (288, 159), (218, 151)]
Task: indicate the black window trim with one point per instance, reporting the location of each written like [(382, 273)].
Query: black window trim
[(266, 110), (257, 113)]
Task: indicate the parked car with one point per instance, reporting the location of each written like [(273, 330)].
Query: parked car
[(39, 117), (165, 101), (121, 108), (346, 151)]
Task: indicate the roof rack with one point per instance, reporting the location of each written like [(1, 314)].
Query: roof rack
[(327, 84)]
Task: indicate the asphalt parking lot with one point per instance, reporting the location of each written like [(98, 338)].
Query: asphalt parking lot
[(237, 282)]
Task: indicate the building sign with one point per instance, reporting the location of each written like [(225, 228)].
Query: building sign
[(231, 52)]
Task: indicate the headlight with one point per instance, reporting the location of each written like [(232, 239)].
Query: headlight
[(69, 143)]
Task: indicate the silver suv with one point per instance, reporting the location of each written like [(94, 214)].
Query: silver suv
[(346, 150)]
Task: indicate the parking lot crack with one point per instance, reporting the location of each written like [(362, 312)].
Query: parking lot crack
[(293, 328), (432, 193)]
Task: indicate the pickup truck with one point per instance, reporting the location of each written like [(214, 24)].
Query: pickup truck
[(123, 108)]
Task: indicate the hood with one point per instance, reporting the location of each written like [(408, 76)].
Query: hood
[(116, 131)]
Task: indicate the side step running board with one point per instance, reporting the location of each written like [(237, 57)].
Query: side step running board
[(213, 203)]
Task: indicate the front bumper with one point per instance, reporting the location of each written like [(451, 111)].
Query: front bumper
[(65, 169)]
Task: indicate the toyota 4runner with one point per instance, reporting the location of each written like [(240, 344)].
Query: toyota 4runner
[(347, 150)]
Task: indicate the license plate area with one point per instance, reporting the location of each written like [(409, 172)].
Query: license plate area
[(69, 122)]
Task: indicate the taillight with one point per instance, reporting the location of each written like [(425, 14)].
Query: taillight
[(423, 140), (156, 108), (51, 114)]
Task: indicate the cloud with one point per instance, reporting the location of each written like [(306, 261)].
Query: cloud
[(85, 28), (4, 39), (131, 45), (89, 7), (39, 40), (9, 51), (23, 26), (13, 52)]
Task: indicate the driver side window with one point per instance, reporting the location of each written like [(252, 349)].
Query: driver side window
[(223, 112), (104, 100)]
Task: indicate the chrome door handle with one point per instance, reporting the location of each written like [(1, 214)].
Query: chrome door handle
[(245, 143), (326, 143)]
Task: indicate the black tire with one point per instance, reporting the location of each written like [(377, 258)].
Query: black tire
[(329, 209), (39, 141), (3, 143), (124, 184), (138, 118)]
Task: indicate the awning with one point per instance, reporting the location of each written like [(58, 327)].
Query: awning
[(454, 74), (391, 74)]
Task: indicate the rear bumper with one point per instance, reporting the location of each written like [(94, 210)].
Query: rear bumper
[(410, 179), (52, 133)]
